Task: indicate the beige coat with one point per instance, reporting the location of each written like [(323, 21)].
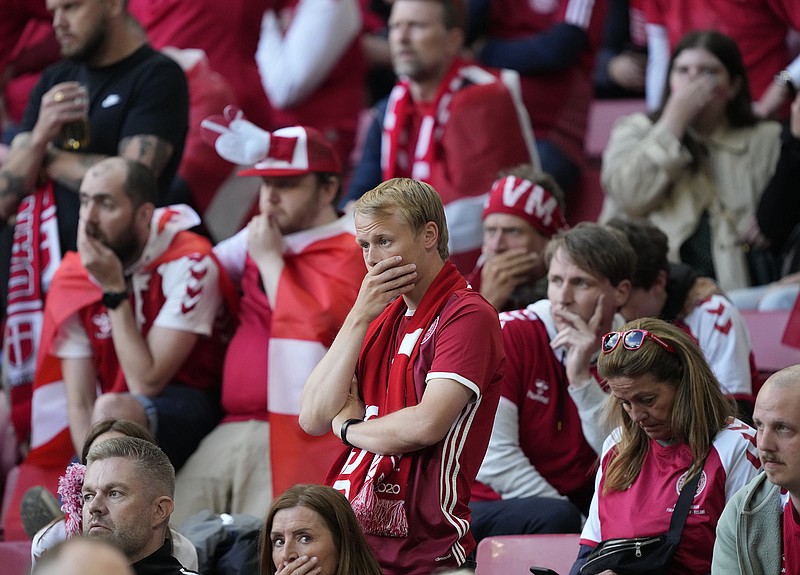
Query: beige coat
[(646, 174)]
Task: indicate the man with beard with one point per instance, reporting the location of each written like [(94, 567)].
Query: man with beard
[(299, 269), (127, 500), (136, 313), (448, 122), (135, 103)]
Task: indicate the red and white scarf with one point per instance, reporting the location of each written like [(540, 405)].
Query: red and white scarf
[(397, 122), (35, 256), (385, 372)]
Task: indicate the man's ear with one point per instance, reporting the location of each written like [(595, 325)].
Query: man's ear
[(328, 190), (163, 508), (622, 291), (144, 214), (116, 7), (661, 281), (455, 41), (431, 235)]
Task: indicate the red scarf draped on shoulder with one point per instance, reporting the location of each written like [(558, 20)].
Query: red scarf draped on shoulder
[(397, 124), (72, 291), (378, 483)]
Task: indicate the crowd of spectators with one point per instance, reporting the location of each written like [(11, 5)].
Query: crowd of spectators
[(408, 345)]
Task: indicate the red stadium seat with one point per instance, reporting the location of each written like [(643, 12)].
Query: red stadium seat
[(15, 557), (514, 554)]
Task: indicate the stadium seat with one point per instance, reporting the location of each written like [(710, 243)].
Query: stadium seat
[(15, 557), (515, 554), (766, 331)]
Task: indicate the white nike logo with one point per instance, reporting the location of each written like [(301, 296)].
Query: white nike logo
[(111, 100)]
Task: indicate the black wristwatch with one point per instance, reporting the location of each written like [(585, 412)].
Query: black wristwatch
[(343, 432), (112, 299)]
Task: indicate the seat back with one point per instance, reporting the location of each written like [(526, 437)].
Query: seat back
[(15, 557), (770, 353), (515, 554)]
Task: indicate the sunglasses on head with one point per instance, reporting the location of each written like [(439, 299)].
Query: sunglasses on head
[(631, 339)]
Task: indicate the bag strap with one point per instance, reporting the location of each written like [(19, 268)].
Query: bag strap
[(681, 511)]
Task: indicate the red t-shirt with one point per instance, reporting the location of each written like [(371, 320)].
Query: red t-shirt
[(791, 540), (550, 432), (464, 344)]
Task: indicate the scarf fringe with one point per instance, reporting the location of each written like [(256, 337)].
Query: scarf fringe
[(381, 517)]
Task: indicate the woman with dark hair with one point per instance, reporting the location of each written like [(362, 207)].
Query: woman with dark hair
[(672, 423), (696, 168), (312, 529)]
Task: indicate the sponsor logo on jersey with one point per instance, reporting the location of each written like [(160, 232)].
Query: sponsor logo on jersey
[(431, 331), (392, 488), (541, 393), (103, 325), (110, 100)]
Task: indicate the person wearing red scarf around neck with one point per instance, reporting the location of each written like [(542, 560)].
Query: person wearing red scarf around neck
[(410, 385), (448, 122)]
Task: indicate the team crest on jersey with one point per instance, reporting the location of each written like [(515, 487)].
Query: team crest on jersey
[(431, 330), (103, 325), (540, 395), (543, 6), (701, 484)]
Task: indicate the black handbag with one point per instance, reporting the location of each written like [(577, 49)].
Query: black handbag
[(644, 555), (763, 265)]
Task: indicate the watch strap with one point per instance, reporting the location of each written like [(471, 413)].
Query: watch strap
[(343, 432), (112, 299)]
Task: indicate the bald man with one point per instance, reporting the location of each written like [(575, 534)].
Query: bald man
[(83, 556), (136, 313), (759, 531)]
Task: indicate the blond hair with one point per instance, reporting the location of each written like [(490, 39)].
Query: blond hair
[(415, 202)]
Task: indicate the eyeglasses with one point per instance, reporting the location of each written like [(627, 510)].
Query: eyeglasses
[(632, 339)]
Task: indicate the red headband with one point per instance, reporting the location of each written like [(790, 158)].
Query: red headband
[(531, 202)]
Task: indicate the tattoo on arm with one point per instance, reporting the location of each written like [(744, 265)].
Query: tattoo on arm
[(150, 150)]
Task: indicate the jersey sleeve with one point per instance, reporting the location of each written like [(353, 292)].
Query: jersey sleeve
[(736, 446), (192, 295), (72, 341), (592, 534), (161, 104), (723, 336), (232, 253), (469, 345)]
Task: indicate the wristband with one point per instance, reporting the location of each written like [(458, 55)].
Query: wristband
[(343, 432), (112, 299)]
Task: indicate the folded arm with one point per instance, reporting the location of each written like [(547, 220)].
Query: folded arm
[(327, 388), (411, 428)]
